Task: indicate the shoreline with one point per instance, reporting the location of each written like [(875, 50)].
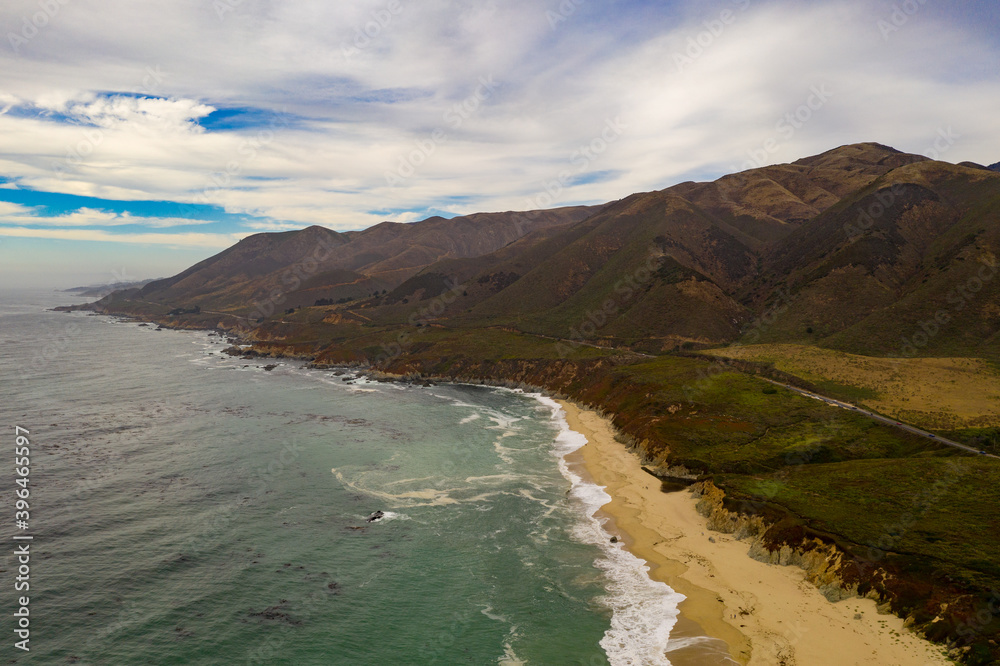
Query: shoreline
[(766, 614), (666, 549)]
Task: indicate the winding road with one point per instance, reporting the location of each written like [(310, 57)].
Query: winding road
[(830, 401), (883, 419)]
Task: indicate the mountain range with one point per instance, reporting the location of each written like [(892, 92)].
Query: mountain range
[(862, 248), (319, 264)]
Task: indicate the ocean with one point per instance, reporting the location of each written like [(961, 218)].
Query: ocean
[(187, 507)]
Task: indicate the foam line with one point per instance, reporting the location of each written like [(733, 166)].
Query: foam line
[(643, 611)]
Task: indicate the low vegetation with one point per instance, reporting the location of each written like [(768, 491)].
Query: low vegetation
[(933, 393)]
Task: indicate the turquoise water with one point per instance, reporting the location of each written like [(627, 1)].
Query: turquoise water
[(191, 508)]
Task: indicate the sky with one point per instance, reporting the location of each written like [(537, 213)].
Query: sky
[(137, 138)]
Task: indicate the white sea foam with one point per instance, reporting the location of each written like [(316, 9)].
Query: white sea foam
[(415, 498), (503, 422), (643, 610), (492, 479), (693, 641), (469, 419), (503, 452), (488, 612), (510, 657), (392, 515)]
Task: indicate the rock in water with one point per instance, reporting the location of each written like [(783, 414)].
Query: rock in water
[(378, 515)]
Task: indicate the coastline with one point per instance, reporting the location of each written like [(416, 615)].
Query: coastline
[(686, 570), (766, 614)]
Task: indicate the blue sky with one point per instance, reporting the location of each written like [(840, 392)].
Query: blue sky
[(138, 138)]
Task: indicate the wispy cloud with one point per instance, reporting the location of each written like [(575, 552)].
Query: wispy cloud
[(272, 226), (179, 240), (296, 112), (16, 214)]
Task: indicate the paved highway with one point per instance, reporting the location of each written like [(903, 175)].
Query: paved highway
[(883, 419)]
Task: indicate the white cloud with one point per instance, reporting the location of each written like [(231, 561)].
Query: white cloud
[(13, 210), (214, 241), (355, 116), (141, 114), (7, 102), (11, 213), (272, 226)]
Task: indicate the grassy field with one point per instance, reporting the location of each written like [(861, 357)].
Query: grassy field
[(934, 393), (942, 510), (728, 422)]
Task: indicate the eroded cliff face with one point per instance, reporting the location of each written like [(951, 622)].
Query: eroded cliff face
[(945, 614), (822, 562)]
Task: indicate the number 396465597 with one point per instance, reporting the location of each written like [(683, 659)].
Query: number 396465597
[(22, 470)]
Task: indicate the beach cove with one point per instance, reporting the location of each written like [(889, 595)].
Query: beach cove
[(766, 614)]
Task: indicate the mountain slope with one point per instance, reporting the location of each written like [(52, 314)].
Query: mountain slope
[(919, 244), (859, 248), (674, 266), (267, 272)]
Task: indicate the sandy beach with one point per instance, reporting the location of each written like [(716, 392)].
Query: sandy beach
[(767, 614)]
